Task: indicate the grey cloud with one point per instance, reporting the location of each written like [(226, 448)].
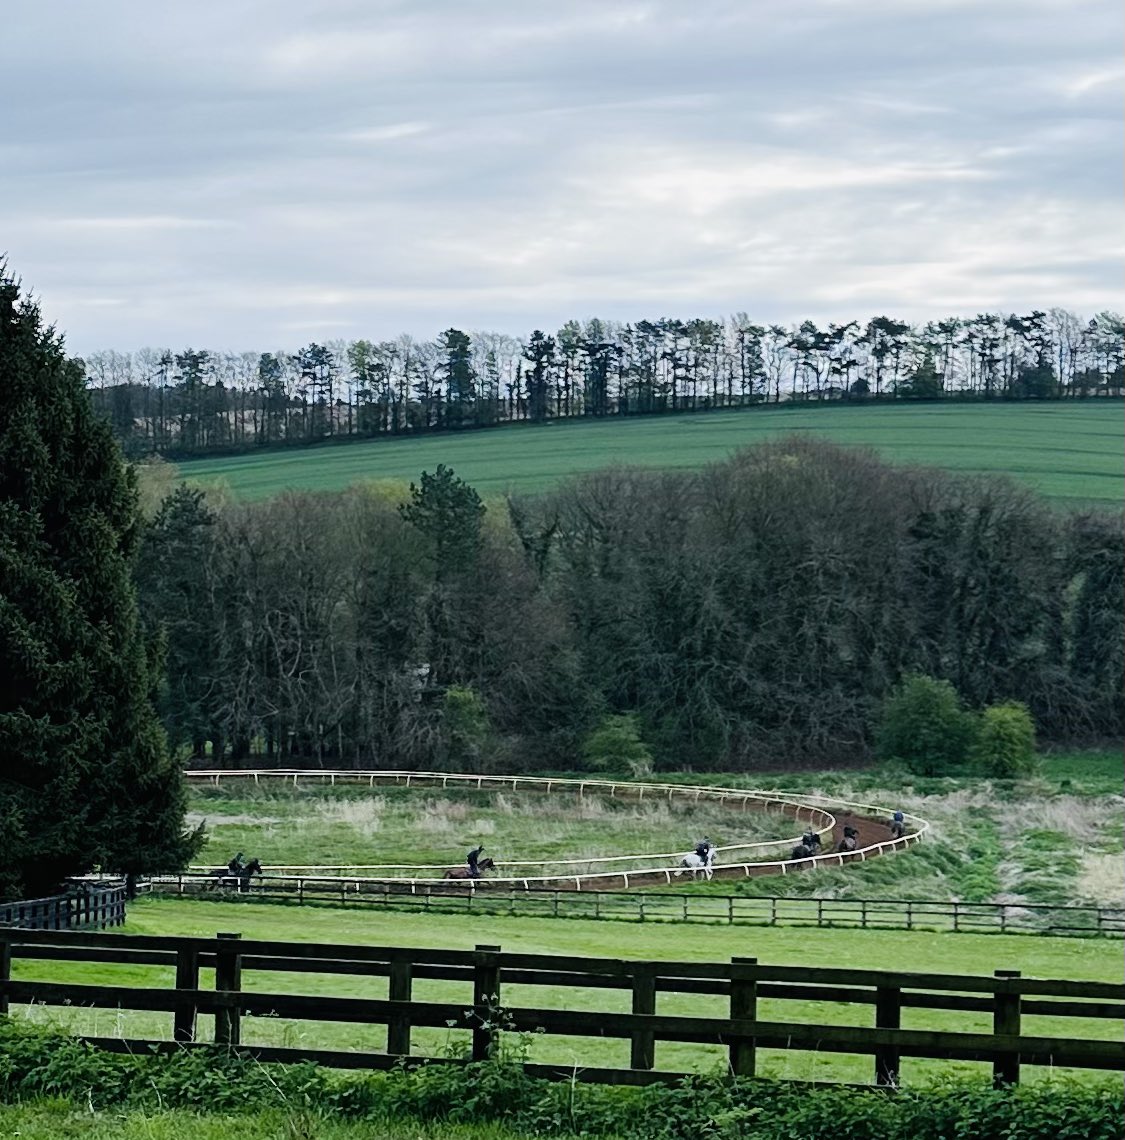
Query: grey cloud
[(241, 175)]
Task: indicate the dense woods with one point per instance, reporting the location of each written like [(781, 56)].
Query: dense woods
[(195, 402), (750, 614)]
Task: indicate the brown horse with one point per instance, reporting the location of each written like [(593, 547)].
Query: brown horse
[(486, 864)]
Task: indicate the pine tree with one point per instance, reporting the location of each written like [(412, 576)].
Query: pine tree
[(85, 776)]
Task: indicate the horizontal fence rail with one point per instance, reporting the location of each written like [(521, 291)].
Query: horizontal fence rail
[(814, 810), (487, 974), (91, 906), (635, 906)]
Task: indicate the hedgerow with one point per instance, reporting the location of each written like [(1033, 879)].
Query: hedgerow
[(37, 1063)]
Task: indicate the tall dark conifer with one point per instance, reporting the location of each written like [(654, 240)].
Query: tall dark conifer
[(85, 777)]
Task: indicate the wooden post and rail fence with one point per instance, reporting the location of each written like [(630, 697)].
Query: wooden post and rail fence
[(664, 906), (92, 906), (496, 983)]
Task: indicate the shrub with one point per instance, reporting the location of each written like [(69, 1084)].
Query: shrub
[(1004, 744), (616, 746), (466, 727), (924, 727), (41, 1063)]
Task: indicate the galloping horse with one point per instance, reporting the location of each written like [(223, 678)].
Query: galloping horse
[(692, 862), (803, 851), (486, 864), (241, 881)]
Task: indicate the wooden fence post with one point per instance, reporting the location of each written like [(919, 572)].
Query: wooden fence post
[(228, 979), (1006, 1020), (398, 1026), (486, 1000), (743, 1005), (187, 978), (888, 1015), (5, 972), (642, 1051)]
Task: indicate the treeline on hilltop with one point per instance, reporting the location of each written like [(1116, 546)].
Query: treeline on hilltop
[(196, 402), (753, 613)]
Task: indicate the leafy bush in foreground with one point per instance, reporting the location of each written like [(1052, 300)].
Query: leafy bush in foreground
[(36, 1064)]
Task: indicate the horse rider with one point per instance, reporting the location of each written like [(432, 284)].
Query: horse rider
[(898, 825), (704, 848), (237, 865), (811, 840), (474, 858)]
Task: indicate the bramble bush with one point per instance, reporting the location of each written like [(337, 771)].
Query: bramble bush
[(38, 1063)]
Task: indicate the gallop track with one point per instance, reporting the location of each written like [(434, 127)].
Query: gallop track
[(825, 816)]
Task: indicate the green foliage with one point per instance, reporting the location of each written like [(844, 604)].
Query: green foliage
[(925, 382), (465, 725), (87, 779), (616, 746), (1004, 742), (174, 589), (34, 1065), (449, 513), (924, 727)]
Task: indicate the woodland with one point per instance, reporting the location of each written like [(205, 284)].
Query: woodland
[(755, 613)]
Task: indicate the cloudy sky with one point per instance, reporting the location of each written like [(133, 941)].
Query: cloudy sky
[(249, 174)]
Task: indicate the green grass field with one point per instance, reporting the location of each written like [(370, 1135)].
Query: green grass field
[(1072, 452), (317, 826), (1094, 959)]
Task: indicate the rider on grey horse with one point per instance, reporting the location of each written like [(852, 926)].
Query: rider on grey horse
[(703, 848)]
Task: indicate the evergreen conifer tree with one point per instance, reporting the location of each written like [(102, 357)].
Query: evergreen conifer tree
[(85, 775)]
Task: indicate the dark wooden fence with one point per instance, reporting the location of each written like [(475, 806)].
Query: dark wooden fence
[(695, 907), (487, 975), (83, 908)]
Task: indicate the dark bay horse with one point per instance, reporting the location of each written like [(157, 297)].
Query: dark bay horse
[(486, 864), (241, 881)]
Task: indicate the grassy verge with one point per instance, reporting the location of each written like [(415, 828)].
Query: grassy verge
[(65, 1120), (212, 1093)]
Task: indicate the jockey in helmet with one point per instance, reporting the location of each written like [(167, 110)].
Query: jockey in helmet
[(703, 848), (473, 858), (236, 865)]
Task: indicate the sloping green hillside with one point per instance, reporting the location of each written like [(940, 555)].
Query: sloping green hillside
[(1069, 451)]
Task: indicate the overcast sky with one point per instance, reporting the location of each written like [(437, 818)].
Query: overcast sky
[(240, 174)]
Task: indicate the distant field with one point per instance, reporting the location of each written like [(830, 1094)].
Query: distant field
[(1071, 452)]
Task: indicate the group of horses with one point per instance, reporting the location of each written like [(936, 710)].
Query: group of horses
[(697, 864)]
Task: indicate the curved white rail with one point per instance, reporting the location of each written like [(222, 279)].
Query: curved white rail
[(795, 803)]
